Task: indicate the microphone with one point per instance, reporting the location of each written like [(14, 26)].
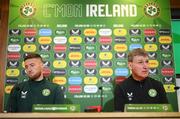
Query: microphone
[(176, 87), (101, 89)]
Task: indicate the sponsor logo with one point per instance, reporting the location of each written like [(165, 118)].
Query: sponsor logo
[(165, 47), (105, 40), (90, 32), (12, 64), (120, 39), (150, 47), (120, 32), (8, 89), (107, 89), (164, 32), (104, 63), (134, 46), (75, 40), (121, 63), (169, 88), (90, 64), (106, 80), (75, 89), (150, 32), (134, 32), (153, 71), (44, 40), (165, 39), (46, 64), (11, 80), (59, 64), (14, 40), (135, 39), (121, 55), (75, 72), (90, 89), (105, 32), (14, 48), (44, 47), (91, 40), (75, 56), (59, 48), (120, 47), (152, 55), (75, 48), (46, 72), (46, 92), (167, 63), (13, 56), (60, 32), (14, 32), (60, 55), (75, 32), (90, 80), (45, 32), (12, 72), (90, 47), (167, 71), (105, 47), (45, 55), (150, 39), (166, 55), (153, 63), (152, 93), (151, 9), (29, 39), (168, 79), (30, 32), (90, 55), (106, 72), (29, 48), (74, 63), (60, 40), (91, 72), (121, 72), (27, 10), (105, 55), (59, 72), (75, 80), (59, 80)]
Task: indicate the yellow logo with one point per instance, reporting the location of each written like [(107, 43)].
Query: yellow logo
[(120, 32), (169, 88), (12, 72), (105, 55), (59, 80), (75, 56), (75, 40), (90, 80), (120, 47), (29, 48), (90, 32), (44, 40), (153, 63), (59, 64), (106, 72), (165, 39), (150, 47), (8, 89)]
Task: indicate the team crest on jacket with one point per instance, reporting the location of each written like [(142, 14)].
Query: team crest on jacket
[(23, 94), (152, 92), (130, 96), (46, 92)]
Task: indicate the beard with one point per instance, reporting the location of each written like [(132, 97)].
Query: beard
[(36, 76)]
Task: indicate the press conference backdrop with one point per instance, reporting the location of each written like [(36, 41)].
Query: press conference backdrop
[(85, 44)]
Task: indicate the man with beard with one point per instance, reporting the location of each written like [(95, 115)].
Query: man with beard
[(138, 88), (37, 90)]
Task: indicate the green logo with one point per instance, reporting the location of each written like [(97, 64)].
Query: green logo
[(46, 92), (152, 93), (27, 10), (151, 10)]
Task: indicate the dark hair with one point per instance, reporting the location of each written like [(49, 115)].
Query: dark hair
[(32, 55), (136, 52)]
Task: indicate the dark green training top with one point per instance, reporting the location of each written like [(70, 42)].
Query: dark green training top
[(25, 94)]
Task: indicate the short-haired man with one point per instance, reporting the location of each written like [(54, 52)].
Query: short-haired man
[(37, 90), (138, 88)]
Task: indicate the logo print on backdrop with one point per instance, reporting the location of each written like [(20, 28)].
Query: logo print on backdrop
[(60, 32), (74, 72), (153, 71), (59, 72), (105, 63), (164, 32), (152, 55), (166, 55), (120, 39), (46, 64), (29, 39), (12, 63), (60, 55), (44, 47), (90, 55), (75, 32), (75, 48), (90, 72), (168, 79), (135, 32), (165, 47), (14, 32), (167, 63), (14, 40), (27, 10), (74, 63), (130, 96), (149, 39), (151, 9), (106, 79), (121, 55), (91, 40), (105, 47), (135, 39)]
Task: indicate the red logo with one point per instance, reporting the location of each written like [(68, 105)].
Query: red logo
[(75, 89), (119, 79), (105, 40), (59, 48), (167, 71), (150, 32), (30, 32), (90, 64), (13, 56)]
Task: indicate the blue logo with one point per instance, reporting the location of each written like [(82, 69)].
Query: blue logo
[(121, 72), (134, 46), (45, 32), (75, 80)]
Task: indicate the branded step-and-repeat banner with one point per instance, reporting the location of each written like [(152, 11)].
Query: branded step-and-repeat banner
[(85, 44)]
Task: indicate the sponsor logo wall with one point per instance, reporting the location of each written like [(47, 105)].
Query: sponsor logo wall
[(85, 44)]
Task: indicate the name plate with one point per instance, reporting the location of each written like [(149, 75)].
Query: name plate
[(56, 108), (148, 108)]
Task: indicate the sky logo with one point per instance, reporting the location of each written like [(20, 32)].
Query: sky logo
[(134, 46), (121, 72), (45, 32), (75, 80)]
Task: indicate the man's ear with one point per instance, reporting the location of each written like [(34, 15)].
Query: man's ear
[(130, 65)]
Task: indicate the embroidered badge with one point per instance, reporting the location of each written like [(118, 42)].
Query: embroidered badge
[(46, 92), (130, 96), (152, 93), (23, 94)]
